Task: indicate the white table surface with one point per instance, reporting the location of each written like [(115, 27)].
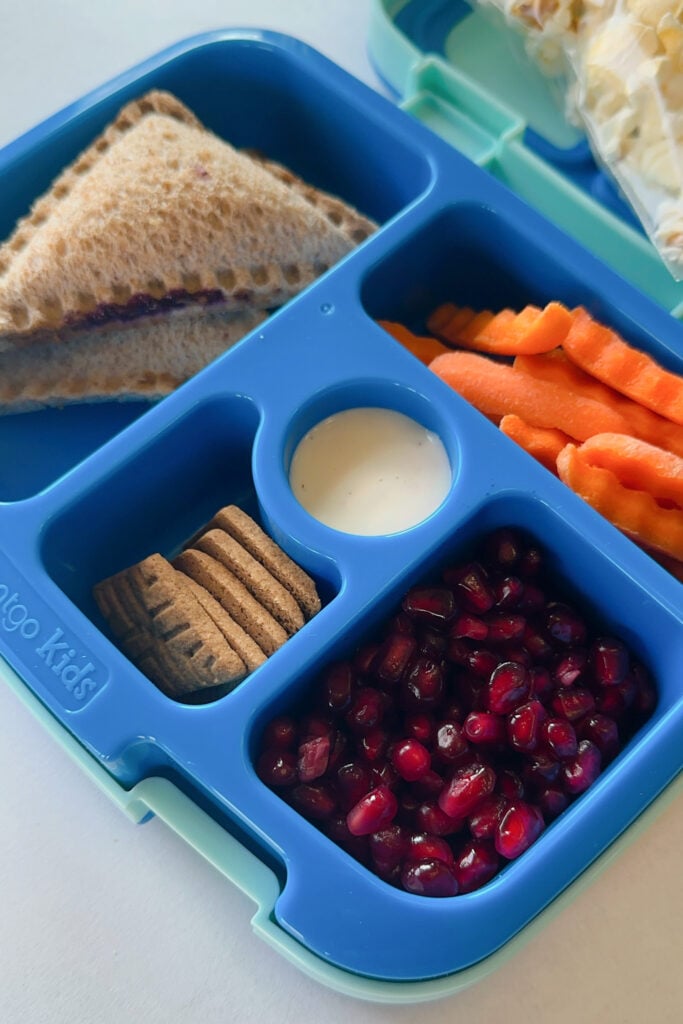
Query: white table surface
[(105, 921)]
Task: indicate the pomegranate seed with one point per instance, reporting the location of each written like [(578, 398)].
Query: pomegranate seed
[(537, 645), (420, 725), (524, 724), (540, 770), (531, 561), (338, 750), (401, 623), (277, 767), (467, 787), (573, 704), (540, 682), (508, 687), (313, 758), (505, 626), (471, 586), (581, 771), (367, 708), (354, 780), (388, 846), (385, 774), (470, 626), (645, 699), (503, 547), (551, 802), (453, 710), (280, 733), (435, 605), (428, 786), (430, 818), (429, 878), (393, 657), (373, 744), (513, 652), (559, 736), (484, 821), (364, 657), (519, 827), (314, 800), (458, 650), (338, 685), (422, 846), (411, 760), (564, 625), (570, 667), (423, 685), (603, 732), (484, 728), (432, 644), (508, 592), (451, 742), (481, 662), (509, 784), (533, 598), (475, 864), (316, 724), (338, 831), (609, 660), (374, 811)]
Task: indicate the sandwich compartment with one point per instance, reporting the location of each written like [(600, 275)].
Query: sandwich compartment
[(86, 492)]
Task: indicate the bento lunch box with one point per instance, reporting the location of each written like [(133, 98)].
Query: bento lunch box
[(89, 490)]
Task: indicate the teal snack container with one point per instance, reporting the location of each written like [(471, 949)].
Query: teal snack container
[(89, 490)]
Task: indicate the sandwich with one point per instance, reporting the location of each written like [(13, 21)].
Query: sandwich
[(156, 250)]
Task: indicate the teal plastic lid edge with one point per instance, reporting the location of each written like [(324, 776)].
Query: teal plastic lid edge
[(241, 867)]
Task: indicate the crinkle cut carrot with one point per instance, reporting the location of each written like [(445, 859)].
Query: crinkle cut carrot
[(601, 352), (506, 333), (636, 513), (544, 443), (638, 465), (644, 423), (496, 389), (424, 348)]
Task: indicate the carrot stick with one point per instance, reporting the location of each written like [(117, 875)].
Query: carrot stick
[(636, 513), (447, 320), (496, 389), (649, 426), (423, 348), (544, 443), (638, 465), (608, 357), (505, 333)]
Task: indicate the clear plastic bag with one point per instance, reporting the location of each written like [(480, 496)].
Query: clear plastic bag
[(623, 60)]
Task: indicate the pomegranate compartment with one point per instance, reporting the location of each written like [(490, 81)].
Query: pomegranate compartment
[(114, 484)]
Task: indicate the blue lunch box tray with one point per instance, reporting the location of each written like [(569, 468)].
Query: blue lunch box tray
[(85, 492), (462, 71)]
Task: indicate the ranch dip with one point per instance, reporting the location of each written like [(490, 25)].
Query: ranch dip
[(370, 471)]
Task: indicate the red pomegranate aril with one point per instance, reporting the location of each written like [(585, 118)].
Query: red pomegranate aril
[(353, 780), (422, 685), (411, 760), (421, 726), (277, 768), (430, 818), (603, 731), (373, 744), (509, 784), (537, 645), (314, 800), (570, 667), (422, 846), (432, 644), (367, 708), (364, 657), (540, 770), (313, 758), (432, 605), (469, 626), (428, 786), (393, 657), (508, 591), (338, 686), (533, 598), (524, 724), (476, 863), (374, 811), (515, 652), (471, 585), (482, 662), (559, 736), (388, 846), (458, 650), (280, 733), (551, 801), (484, 728), (520, 826), (508, 687), (429, 878), (505, 626), (564, 625), (645, 699), (530, 562), (401, 623), (581, 771), (339, 748), (573, 704), (466, 788), (451, 742), (609, 661), (316, 724), (483, 822), (503, 547), (540, 682), (385, 774)]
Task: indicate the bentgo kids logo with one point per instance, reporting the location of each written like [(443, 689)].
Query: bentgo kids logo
[(57, 653)]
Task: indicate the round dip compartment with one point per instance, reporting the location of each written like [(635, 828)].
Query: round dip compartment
[(370, 470)]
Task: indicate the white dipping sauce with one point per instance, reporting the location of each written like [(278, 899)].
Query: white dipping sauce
[(370, 471)]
